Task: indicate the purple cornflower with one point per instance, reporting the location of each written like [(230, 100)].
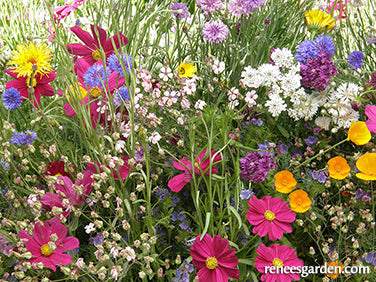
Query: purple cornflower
[(324, 44), (180, 6), (23, 138), (355, 60), (114, 63), (11, 99), (96, 76), (310, 141), (316, 72), (305, 50), (255, 166), (209, 6), (238, 8), (215, 31), (371, 258)]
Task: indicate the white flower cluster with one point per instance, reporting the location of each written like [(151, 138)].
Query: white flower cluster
[(339, 106)]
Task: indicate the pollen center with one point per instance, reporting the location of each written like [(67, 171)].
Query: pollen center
[(197, 165), (95, 92), (211, 263), (269, 215), (277, 262), (45, 250), (181, 71), (96, 55), (58, 174)]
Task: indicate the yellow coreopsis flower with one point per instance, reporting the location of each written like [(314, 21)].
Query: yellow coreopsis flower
[(367, 166), (186, 70), (31, 57), (319, 21), (359, 133)]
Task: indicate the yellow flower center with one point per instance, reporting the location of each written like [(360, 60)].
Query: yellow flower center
[(197, 165), (284, 182), (58, 175), (96, 55), (181, 71), (45, 250), (95, 92), (211, 263), (277, 262), (269, 215), (70, 2)]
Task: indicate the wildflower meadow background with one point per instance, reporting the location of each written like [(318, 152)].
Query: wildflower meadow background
[(187, 141)]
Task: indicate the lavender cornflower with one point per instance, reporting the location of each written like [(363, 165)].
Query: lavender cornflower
[(255, 166), (305, 50), (23, 138), (11, 99), (209, 6), (324, 44), (215, 31), (114, 63), (355, 60), (96, 76), (246, 194), (182, 7), (238, 8)]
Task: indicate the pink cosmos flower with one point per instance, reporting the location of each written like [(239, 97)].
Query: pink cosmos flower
[(270, 216), (40, 84), (122, 171), (276, 256), (90, 52), (64, 11), (200, 166), (213, 259), (371, 114), (40, 244), (65, 191)]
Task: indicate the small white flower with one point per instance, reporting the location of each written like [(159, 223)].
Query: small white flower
[(155, 137), (120, 144), (250, 98), (129, 253), (165, 73), (89, 228), (218, 67), (282, 57), (323, 122), (200, 105)]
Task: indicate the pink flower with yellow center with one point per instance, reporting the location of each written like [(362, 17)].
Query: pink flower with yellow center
[(270, 216), (48, 244), (213, 259)]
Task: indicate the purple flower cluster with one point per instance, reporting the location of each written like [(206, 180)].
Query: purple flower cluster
[(316, 72), (23, 138), (180, 6), (355, 60), (215, 31), (255, 166), (238, 8), (11, 99), (209, 6), (311, 49), (114, 63)]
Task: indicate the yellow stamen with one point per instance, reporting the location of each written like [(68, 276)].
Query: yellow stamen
[(96, 55), (45, 250), (95, 92), (269, 215), (277, 262), (211, 263)]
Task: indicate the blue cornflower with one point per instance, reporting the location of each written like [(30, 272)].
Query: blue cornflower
[(324, 44), (355, 60), (95, 75), (246, 194), (310, 141), (22, 138), (305, 50), (11, 99), (114, 63), (30, 137)]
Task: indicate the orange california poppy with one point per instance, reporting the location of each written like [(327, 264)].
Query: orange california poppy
[(367, 166), (338, 168), (284, 181), (299, 201), (359, 133), (334, 269)]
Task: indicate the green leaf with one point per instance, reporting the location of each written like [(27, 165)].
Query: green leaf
[(246, 261), (232, 209), (283, 131), (207, 222)]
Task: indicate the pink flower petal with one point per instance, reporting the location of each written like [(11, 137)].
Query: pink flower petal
[(177, 182)]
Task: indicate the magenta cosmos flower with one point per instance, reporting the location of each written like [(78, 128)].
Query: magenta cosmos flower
[(90, 52), (64, 11), (213, 259), (200, 166), (43, 248), (270, 216), (277, 256), (65, 191), (371, 114), (40, 84)]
